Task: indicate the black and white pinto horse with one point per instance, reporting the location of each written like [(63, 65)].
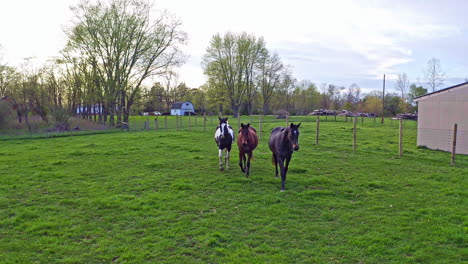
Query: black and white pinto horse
[(224, 137)]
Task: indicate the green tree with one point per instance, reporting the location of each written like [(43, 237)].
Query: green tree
[(8, 75), (392, 104), (270, 75), (125, 46), (306, 97), (372, 103), (415, 91), (229, 63)]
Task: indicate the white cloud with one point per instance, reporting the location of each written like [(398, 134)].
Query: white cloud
[(323, 40)]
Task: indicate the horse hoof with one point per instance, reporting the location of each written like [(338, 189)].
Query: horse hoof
[(282, 190)]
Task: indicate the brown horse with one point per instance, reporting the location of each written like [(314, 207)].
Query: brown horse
[(283, 142), (247, 141)]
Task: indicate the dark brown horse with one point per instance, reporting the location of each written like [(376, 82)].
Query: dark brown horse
[(283, 142), (247, 141)]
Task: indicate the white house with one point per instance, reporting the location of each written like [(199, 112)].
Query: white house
[(94, 109), (182, 108), (437, 114)]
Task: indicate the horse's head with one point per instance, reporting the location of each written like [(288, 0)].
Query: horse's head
[(244, 134), (223, 124), (293, 135)]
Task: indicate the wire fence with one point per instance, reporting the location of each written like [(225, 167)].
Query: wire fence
[(402, 133), (209, 122)]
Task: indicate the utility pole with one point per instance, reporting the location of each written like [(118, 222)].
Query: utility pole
[(383, 100)]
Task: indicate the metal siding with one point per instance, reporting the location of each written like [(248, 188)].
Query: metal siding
[(437, 116)]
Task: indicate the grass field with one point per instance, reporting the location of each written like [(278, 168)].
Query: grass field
[(158, 197)]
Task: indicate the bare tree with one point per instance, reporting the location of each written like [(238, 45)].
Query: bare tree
[(287, 85), (402, 85), (334, 93), (323, 90), (433, 74), (174, 90)]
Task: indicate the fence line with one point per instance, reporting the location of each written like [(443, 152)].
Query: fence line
[(449, 139)]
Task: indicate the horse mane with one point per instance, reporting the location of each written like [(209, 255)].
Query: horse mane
[(284, 134)]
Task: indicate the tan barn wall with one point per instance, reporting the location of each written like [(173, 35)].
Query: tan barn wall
[(438, 113)]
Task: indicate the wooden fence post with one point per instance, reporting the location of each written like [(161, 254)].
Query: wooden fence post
[(454, 145), (147, 123), (165, 122), (177, 122), (401, 138), (260, 126), (204, 122), (354, 134), (317, 131), (287, 120), (238, 121), (156, 126), (189, 121)]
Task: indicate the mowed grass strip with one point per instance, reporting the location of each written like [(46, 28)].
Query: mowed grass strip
[(158, 197)]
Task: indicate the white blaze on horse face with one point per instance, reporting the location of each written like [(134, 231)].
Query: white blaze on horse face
[(218, 133)]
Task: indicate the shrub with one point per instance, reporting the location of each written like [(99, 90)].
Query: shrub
[(282, 114), (6, 114), (61, 116)]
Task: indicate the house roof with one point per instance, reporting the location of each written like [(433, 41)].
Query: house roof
[(440, 91), (178, 105)]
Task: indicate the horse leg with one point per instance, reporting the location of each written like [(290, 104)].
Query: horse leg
[(221, 159), (288, 159), (275, 160), (283, 174), (241, 158), (247, 171), (227, 159)]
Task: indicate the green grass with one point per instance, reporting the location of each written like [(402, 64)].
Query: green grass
[(158, 197)]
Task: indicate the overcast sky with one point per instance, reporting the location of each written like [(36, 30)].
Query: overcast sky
[(339, 42)]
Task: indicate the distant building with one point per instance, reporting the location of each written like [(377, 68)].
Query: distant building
[(94, 109), (182, 108), (437, 114)]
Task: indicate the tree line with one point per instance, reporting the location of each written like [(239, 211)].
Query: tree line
[(116, 49)]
